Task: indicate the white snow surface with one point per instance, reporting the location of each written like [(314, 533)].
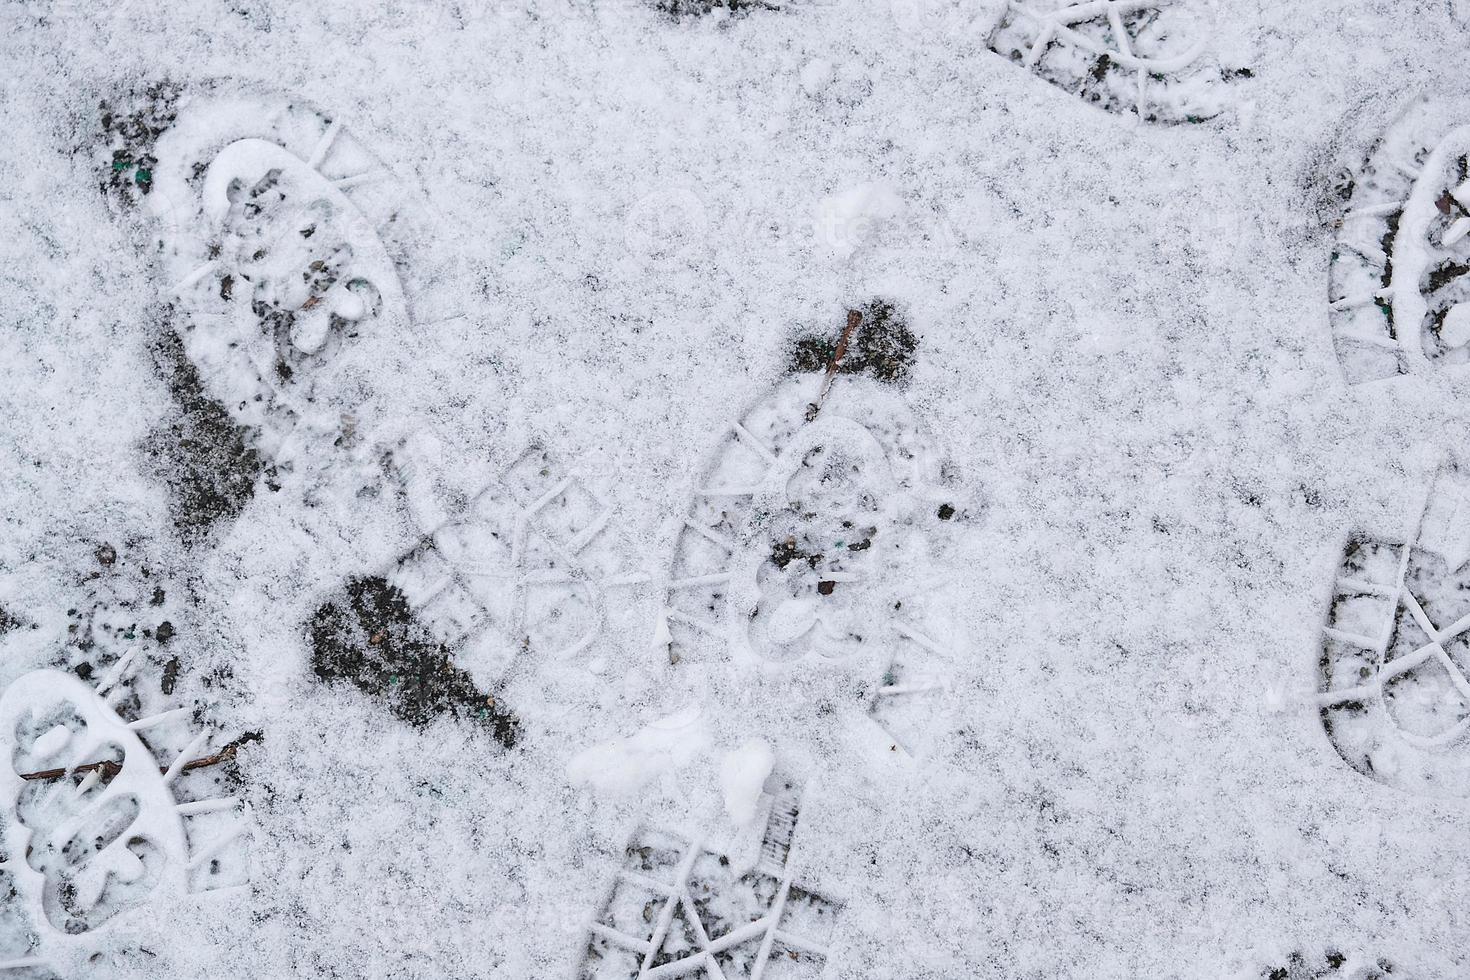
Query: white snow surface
[(743, 772), (623, 766), (621, 221)]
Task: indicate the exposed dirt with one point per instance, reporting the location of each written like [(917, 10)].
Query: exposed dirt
[(1328, 967), (131, 605), (1391, 232), (785, 552), (201, 453), (205, 458), (1446, 273), (678, 9), (882, 348), (368, 636), (131, 125)]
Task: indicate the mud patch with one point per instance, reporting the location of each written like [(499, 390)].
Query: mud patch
[(369, 637), (882, 348), (205, 458)]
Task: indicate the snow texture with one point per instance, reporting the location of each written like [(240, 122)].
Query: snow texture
[(1102, 612)]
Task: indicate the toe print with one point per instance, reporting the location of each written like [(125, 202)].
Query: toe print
[(1148, 57), (1394, 693), (276, 232), (105, 823), (1400, 278), (678, 908), (817, 535)]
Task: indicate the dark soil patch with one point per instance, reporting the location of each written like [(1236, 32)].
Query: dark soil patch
[(170, 672), (1329, 967), (679, 9), (1445, 273), (785, 552), (131, 126), (882, 348), (1390, 233), (368, 636), (206, 459), (1107, 83)]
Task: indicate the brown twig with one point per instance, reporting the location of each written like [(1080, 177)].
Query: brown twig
[(854, 318), (110, 769)]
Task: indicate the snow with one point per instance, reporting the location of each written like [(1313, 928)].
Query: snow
[(743, 772), (592, 233), (847, 221), (1456, 327), (816, 75), (624, 766)]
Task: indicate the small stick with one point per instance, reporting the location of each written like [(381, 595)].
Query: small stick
[(854, 318), (110, 769)]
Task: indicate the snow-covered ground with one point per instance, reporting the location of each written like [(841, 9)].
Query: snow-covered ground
[(432, 401)]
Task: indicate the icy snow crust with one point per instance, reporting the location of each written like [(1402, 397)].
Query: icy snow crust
[(614, 222)]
